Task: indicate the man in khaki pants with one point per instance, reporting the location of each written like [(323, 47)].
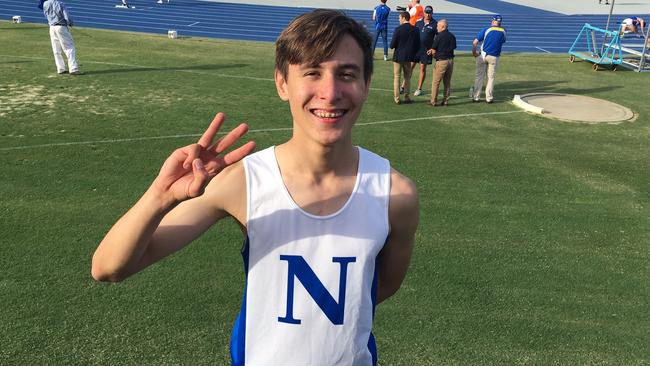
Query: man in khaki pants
[(493, 38), (406, 43), (442, 50)]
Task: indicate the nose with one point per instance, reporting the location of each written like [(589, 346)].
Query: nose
[(329, 88)]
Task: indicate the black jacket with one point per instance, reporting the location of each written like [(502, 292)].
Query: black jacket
[(405, 42)]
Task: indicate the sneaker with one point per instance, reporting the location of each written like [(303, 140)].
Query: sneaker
[(488, 101), (62, 72), (417, 92), (76, 72), (407, 101), (401, 90), (385, 58)]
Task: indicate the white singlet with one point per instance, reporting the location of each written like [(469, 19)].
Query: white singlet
[(311, 281)]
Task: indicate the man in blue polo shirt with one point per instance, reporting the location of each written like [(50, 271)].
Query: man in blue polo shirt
[(493, 38), (380, 16)]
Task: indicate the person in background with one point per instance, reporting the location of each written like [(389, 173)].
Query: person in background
[(632, 25), (380, 16), (427, 27), (416, 12), (442, 50), (62, 43), (492, 39), (406, 43)]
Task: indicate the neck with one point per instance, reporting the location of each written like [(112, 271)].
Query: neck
[(317, 160)]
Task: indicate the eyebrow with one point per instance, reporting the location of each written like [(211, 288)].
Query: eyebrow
[(350, 65)]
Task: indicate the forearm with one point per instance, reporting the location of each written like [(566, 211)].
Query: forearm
[(121, 252)]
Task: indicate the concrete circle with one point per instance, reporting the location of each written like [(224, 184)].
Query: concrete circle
[(577, 108)]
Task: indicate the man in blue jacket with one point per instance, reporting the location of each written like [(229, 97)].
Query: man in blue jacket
[(380, 16), (406, 43), (492, 38)]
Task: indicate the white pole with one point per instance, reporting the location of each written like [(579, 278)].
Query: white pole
[(609, 17)]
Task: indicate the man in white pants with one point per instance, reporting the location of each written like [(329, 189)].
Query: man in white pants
[(62, 42), (493, 38)]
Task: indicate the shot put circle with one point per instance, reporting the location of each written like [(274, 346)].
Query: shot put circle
[(574, 108)]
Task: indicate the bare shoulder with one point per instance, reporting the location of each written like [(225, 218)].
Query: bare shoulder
[(226, 192), (403, 195)]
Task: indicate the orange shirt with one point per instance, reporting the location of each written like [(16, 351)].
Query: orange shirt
[(417, 13)]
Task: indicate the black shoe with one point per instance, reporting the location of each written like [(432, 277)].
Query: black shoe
[(488, 101), (475, 100)]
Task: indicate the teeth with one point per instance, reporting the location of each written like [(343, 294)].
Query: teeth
[(324, 114)]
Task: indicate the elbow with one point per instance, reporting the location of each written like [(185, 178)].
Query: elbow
[(102, 273)]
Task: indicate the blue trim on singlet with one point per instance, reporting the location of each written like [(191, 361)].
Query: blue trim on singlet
[(372, 346), (238, 338)]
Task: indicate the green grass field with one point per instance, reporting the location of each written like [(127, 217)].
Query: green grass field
[(533, 246)]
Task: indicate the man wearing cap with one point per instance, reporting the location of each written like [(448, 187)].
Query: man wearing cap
[(62, 42), (427, 27), (492, 38), (380, 16)]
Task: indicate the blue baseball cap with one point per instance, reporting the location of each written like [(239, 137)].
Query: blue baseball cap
[(497, 17)]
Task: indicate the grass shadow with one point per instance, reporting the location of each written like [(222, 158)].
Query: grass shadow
[(148, 69)]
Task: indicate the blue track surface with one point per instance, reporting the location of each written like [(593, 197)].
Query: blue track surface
[(529, 29)]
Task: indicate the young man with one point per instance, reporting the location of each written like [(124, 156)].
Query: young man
[(329, 227), (443, 50), (492, 38), (380, 16), (60, 36), (427, 27), (406, 43)]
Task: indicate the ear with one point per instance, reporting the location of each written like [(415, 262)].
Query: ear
[(281, 86)]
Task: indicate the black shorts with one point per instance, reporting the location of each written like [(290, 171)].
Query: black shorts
[(424, 59)]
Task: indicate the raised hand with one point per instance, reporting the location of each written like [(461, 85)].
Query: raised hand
[(189, 169)]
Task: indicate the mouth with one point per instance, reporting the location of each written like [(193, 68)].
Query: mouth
[(328, 115)]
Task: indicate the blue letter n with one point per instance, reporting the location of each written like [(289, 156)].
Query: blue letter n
[(298, 268)]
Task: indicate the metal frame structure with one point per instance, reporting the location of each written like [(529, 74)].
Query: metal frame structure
[(610, 53), (640, 64)]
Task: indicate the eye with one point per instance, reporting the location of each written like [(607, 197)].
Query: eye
[(311, 73), (349, 75)]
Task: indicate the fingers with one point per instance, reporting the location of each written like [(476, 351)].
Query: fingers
[(239, 153), (225, 142), (211, 131), (200, 177)]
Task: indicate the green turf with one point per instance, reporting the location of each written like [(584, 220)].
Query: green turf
[(533, 241)]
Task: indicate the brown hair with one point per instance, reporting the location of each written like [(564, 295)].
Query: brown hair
[(313, 37)]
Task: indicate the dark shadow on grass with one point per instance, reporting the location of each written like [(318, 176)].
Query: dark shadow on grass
[(16, 62), (148, 69), (16, 28)]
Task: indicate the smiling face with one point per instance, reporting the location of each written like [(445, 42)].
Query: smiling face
[(326, 99)]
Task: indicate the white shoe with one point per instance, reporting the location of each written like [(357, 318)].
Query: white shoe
[(417, 92), (385, 58)]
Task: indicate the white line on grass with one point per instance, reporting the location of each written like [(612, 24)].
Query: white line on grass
[(111, 141)]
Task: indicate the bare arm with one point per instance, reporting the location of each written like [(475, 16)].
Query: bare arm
[(174, 210), (395, 257), (474, 47)]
